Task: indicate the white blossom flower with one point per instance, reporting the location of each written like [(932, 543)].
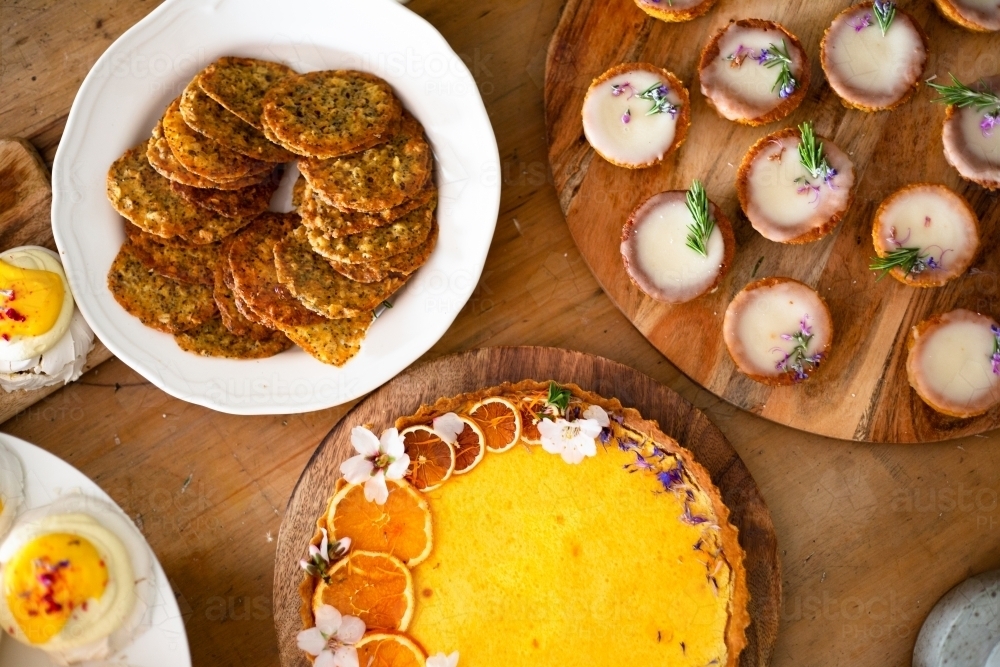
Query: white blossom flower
[(447, 427), (332, 641), (573, 440), (378, 459), (598, 414), (442, 660)]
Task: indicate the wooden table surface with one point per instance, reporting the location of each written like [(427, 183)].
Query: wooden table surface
[(870, 536)]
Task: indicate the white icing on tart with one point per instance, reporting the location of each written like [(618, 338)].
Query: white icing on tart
[(951, 363), (972, 139), (867, 69), (783, 200), (778, 331), (635, 114), (980, 15), (935, 223), (736, 79), (656, 255)]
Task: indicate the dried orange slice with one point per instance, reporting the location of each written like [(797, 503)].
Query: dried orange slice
[(432, 460), (530, 407), (470, 448), (401, 527), (377, 588), (385, 649), (500, 421)]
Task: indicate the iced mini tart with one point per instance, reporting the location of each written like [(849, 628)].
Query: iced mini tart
[(754, 72), (677, 245), (972, 129), (636, 114), (794, 186), (924, 235), (528, 511), (874, 56), (975, 15), (954, 363), (778, 331), (675, 11)]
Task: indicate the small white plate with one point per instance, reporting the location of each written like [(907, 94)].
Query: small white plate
[(164, 644), (126, 92)]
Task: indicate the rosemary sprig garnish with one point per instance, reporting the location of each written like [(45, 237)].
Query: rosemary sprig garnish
[(657, 94), (885, 12), (812, 156), (558, 397), (960, 95), (908, 259), (773, 56), (701, 229)]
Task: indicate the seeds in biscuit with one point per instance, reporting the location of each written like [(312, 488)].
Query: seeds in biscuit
[(160, 303), (213, 120), (404, 234), (162, 159), (331, 221), (312, 280), (212, 339), (333, 342), (331, 113), (375, 179), (402, 264), (246, 202), (239, 84), (192, 264)]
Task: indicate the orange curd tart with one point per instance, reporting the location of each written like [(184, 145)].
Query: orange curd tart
[(754, 72), (636, 114), (576, 533), (954, 363), (925, 235), (778, 331)]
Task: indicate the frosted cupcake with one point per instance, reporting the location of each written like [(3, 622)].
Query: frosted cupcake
[(874, 56), (636, 114)]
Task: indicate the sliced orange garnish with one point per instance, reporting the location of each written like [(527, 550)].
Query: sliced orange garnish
[(401, 527), (377, 588), (500, 421), (432, 460), (530, 407), (385, 649), (470, 448)]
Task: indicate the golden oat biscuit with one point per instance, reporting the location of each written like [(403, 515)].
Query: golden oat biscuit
[(404, 234), (203, 156), (255, 278), (192, 264), (162, 159), (298, 192), (331, 113), (330, 220), (312, 280), (213, 339), (333, 342), (246, 202), (213, 120), (145, 199), (232, 317), (160, 303), (239, 84), (402, 264), (377, 179)]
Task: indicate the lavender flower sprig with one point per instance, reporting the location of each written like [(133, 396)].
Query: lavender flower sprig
[(995, 357), (798, 359), (773, 56), (908, 259), (960, 95), (657, 94), (701, 229), (885, 12)]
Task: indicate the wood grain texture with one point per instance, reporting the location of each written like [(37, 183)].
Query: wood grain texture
[(862, 393), (457, 374), (25, 210)]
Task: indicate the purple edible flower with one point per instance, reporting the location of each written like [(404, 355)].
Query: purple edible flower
[(990, 121), (995, 358), (670, 479), (627, 116), (617, 89), (765, 56), (605, 436), (691, 519), (787, 90), (862, 23), (810, 188)]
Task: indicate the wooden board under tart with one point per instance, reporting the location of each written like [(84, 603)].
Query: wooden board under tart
[(863, 392), (489, 367)]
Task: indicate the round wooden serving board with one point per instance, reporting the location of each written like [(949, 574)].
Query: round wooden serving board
[(863, 392), (477, 369)]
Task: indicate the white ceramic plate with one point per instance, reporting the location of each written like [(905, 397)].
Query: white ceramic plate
[(164, 644), (127, 91)]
